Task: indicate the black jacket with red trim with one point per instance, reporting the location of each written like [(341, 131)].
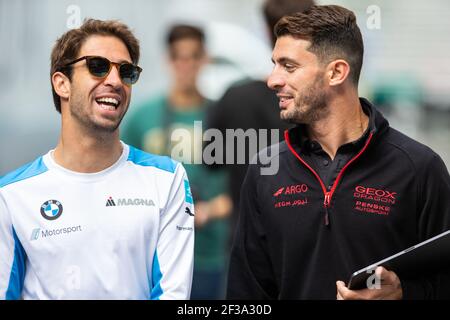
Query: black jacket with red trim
[(295, 238)]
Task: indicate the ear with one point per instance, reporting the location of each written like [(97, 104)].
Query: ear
[(61, 83), (337, 72)]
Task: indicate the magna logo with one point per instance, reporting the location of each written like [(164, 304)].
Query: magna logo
[(293, 189), (129, 202)]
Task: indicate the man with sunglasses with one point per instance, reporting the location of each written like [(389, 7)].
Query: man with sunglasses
[(96, 218)]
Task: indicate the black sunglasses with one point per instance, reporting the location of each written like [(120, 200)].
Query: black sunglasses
[(100, 67)]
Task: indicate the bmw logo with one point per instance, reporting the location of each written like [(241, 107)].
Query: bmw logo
[(51, 209)]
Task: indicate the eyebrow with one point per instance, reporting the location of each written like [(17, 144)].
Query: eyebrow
[(125, 61), (285, 60)]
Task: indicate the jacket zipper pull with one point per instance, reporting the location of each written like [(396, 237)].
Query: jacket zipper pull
[(326, 204), (326, 218)]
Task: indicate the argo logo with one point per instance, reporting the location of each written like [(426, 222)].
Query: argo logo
[(290, 190), (279, 191), (51, 209)]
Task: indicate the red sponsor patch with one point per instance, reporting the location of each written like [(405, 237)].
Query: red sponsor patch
[(373, 200), (291, 203), (280, 191), (286, 193), (378, 195), (292, 189)]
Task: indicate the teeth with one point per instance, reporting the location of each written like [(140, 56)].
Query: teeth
[(107, 107), (109, 100)]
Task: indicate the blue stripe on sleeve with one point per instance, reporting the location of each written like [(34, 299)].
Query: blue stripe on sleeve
[(145, 159), (156, 279), (17, 275), (25, 172), (187, 192)]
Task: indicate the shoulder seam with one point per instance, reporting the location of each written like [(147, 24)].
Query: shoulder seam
[(412, 164), (405, 152), (146, 162), (20, 176)]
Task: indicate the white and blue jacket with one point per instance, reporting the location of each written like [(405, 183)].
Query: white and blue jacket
[(126, 232)]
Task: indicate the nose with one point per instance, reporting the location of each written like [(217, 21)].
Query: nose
[(275, 80), (113, 78), (184, 65)]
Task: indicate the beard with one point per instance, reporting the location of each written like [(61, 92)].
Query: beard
[(309, 107), (84, 116)]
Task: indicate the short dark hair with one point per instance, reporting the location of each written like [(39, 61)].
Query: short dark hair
[(184, 31), (274, 10), (68, 46), (333, 33)]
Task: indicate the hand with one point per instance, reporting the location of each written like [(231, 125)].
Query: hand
[(389, 288), (202, 213), (221, 206), (216, 208)]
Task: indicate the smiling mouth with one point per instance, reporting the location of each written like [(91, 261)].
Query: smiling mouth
[(110, 104), (285, 100)]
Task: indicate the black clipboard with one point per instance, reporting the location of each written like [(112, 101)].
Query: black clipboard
[(424, 258)]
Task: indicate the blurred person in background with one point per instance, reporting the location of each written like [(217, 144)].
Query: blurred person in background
[(95, 218), (151, 128), (251, 105), (351, 190)]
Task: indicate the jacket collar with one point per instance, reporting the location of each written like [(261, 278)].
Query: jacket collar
[(378, 124)]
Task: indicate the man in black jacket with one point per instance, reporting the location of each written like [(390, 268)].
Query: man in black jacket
[(350, 190), (251, 105)]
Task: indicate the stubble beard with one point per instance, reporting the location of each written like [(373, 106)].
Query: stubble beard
[(79, 111), (309, 107)]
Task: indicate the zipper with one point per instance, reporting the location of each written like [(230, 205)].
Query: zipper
[(328, 195), (326, 205)]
